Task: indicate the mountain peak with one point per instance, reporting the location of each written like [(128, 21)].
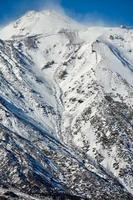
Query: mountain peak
[(43, 22), (66, 109)]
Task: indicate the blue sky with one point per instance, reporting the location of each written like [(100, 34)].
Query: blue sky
[(113, 12)]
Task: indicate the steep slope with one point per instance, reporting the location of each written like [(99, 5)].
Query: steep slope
[(66, 108), (99, 104)]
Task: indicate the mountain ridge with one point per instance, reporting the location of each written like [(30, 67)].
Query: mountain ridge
[(66, 104)]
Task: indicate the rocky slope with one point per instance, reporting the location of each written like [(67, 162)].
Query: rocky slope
[(66, 109)]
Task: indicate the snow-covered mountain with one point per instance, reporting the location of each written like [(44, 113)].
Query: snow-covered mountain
[(66, 109)]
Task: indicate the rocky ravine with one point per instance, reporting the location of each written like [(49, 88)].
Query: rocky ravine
[(66, 109)]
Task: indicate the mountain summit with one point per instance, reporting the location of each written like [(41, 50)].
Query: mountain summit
[(66, 109), (44, 22)]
